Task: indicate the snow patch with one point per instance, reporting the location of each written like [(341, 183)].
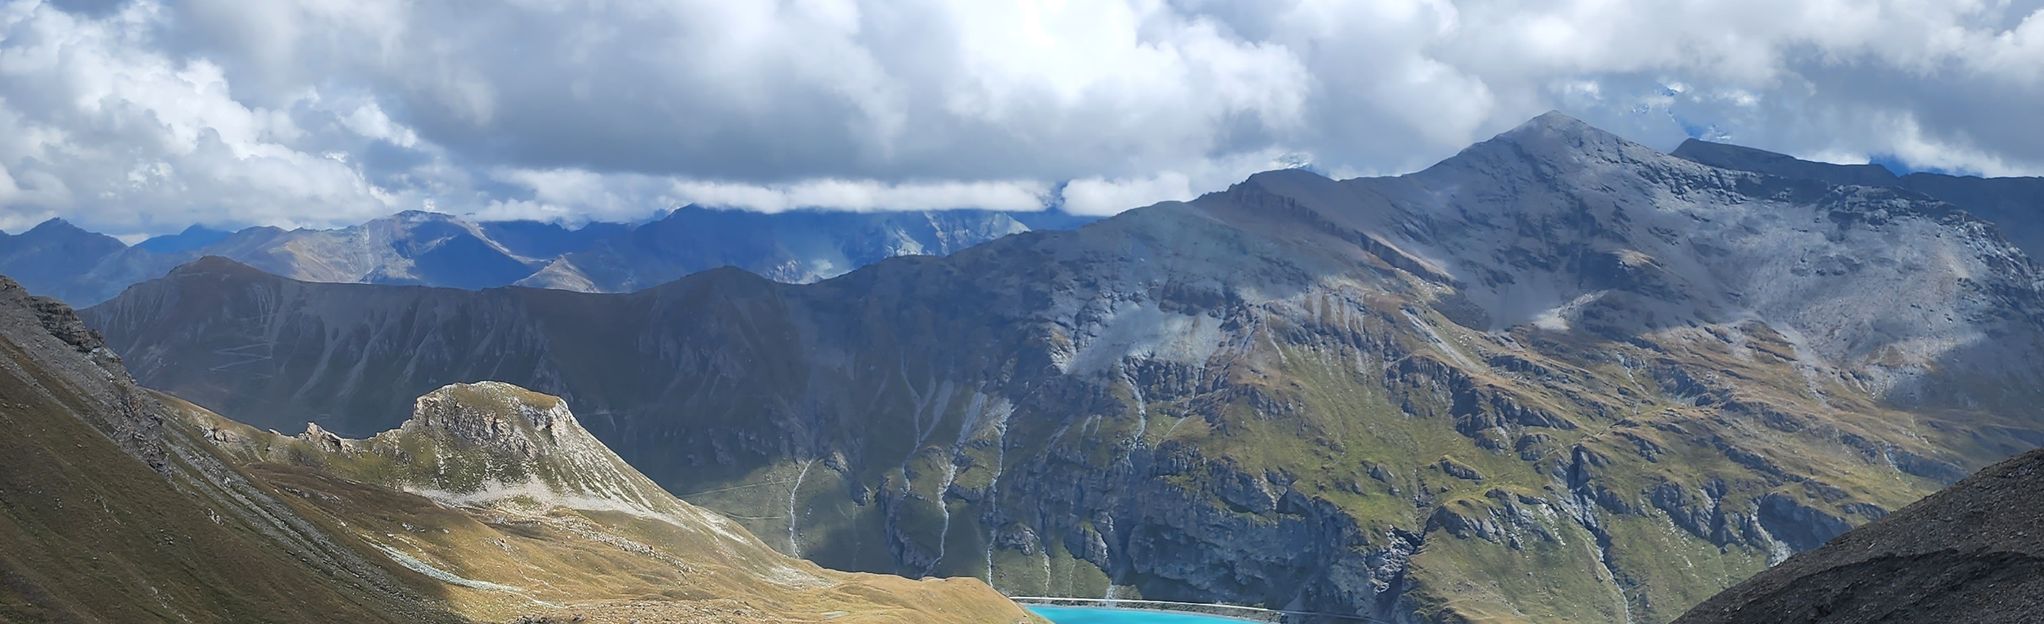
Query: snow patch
[(1559, 317), (1140, 330)]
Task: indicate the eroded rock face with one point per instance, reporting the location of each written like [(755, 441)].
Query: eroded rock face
[(118, 407), (489, 442), (61, 322), (496, 415)]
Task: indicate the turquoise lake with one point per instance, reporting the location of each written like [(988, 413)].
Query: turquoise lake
[(1105, 615)]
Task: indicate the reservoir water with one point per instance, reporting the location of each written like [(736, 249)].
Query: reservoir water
[(1107, 615)]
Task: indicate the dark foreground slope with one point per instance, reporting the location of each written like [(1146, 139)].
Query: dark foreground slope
[(1972, 554), (107, 514)]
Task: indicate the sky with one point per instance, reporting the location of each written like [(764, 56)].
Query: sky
[(138, 117)]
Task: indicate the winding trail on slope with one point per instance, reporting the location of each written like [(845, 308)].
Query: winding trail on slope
[(795, 545)]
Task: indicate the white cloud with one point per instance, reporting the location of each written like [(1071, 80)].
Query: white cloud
[(1095, 196), (369, 121), (112, 132), (577, 195), (864, 195), (1912, 145), (1105, 196), (313, 112)]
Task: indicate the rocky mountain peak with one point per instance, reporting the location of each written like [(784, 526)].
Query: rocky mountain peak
[(491, 442), (424, 215), (59, 238), (191, 239), (1557, 122), (1291, 181), (1560, 225), (55, 225), (1559, 129), (1558, 141), (493, 414)]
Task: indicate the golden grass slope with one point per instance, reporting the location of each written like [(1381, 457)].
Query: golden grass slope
[(497, 494)]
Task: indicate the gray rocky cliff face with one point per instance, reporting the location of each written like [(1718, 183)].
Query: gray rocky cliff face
[(58, 342)]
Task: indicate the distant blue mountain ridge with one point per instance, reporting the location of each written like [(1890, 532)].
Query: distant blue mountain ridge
[(83, 267)]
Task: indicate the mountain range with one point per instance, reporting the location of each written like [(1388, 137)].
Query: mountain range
[(2011, 204), (1559, 376), (490, 503), (425, 248)]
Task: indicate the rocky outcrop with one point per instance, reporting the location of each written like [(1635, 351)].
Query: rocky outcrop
[(45, 328)]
